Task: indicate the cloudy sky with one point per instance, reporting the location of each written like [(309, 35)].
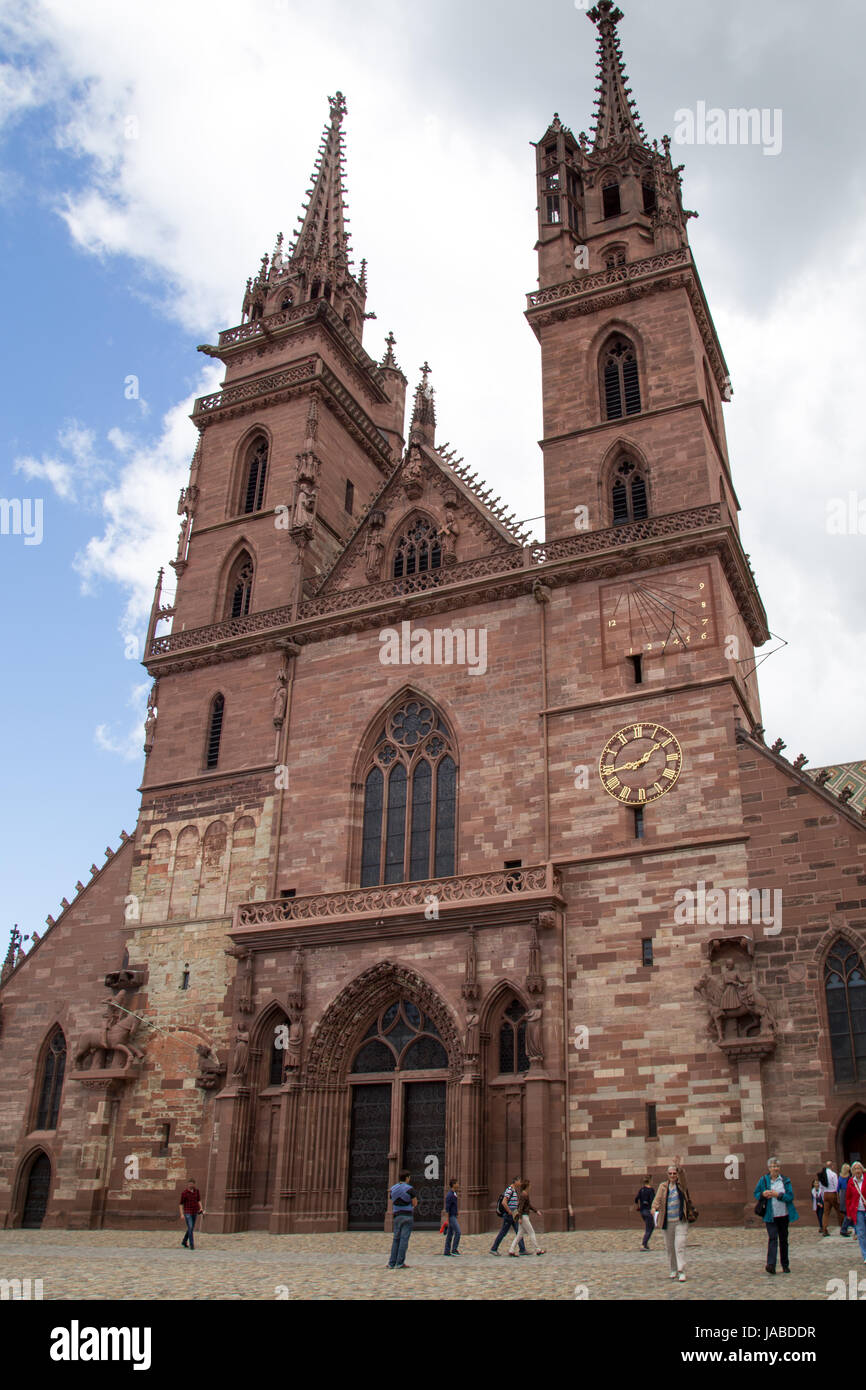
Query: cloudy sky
[(149, 154)]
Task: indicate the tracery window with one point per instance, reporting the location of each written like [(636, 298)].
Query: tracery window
[(621, 384), (628, 494), (410, 799), (614, 256), (240, 586), (512, 1040), (402, 1038), (253, 490), (51, 1084), (845, 992), (418, 550)]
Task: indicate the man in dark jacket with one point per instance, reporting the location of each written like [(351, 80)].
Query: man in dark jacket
[(452, 1235), (643, 1201)]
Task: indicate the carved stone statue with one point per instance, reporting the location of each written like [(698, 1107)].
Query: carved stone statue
[(413, 472), (732, 996), (448, 534), (281, 696), (114, 1036), (375, 554), (242, 1053), (295, 1044), (210, 1068), (305, 506), (472, 1040), (534, 1045)]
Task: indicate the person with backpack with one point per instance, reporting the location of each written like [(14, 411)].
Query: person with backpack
[(452, 1233), (506, 1208), (403, 1204), (644, 1201), (775, 1194), (524, 1225), (844, 1175)]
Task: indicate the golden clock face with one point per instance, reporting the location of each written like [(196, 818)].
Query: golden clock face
[(660, 614), (640, 763)]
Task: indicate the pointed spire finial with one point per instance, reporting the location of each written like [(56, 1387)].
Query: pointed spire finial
[(338, 108), (389, 360), (424, 412), (616, 117)]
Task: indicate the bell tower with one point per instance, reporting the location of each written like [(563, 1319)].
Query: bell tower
[(633, 375)]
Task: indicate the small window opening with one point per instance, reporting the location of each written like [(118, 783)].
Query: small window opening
[(288, 892), (647, 950), (165, 1138), (649, 197), (637, 811), (637, 663), (652, 1124), (350, 497), (184, 979), (610, 200)]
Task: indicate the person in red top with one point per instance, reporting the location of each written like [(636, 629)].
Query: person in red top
[(190, 1206), (855, 1201)]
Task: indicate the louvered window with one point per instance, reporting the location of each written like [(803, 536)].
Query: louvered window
[(240, 586), (621, 383), (257, 467), (215, 729), (649, 197), (628, 494)]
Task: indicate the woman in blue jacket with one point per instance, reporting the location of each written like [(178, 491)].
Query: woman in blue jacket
[(779, 1214)]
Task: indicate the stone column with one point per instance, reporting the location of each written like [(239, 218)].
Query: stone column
[(746, 1055), (474, 1216)]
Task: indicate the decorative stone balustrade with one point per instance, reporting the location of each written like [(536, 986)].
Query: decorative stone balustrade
[(603, 279), (357, 902)]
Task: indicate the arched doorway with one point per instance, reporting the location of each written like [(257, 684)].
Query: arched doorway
[(397, 1081), (36, 1192), (853, 1138)]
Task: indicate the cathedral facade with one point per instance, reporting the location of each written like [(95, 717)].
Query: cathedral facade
[(456, 852)]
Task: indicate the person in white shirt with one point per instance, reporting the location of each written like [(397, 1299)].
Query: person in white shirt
[(829, 1188)]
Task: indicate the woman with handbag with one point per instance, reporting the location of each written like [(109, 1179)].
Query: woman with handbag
[(774, 1203), (675, 1213)]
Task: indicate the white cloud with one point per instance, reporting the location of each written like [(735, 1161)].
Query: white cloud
[(128, 745)]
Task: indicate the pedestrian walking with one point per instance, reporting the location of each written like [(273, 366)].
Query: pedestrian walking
[(524, 1207), (403, 1203), (829, 1191), (844, 1175), (675, 1209), (452, 1235), (855, 1205), (644, 1202), (190, 1207), (775, 1194), (818, 1201), (507, 1209)]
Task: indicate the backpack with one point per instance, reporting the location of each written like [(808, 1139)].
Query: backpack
[(502, 1207)]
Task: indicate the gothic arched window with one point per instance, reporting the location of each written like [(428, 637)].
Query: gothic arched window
[(621, 384), (214, 732), (402, 1038), (512, 1040), (277, 1063), (253, 486), (628, 494), (410, 799), (418, 550), (240, 586), (845, 992), (613, 257), (51, 1081)]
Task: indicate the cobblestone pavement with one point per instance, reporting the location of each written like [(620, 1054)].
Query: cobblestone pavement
[(721, 1264)]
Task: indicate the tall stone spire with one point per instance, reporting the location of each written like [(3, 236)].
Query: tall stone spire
[(616, 117), (317, 266), (423, 426), (322, 236)]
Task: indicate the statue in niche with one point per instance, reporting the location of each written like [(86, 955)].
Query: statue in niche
[(281, 696), (295, 1044), (471, 1041), (534, 1046), (242, 1053)]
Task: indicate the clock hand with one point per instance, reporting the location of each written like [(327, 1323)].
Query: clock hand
[(632, 767)]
